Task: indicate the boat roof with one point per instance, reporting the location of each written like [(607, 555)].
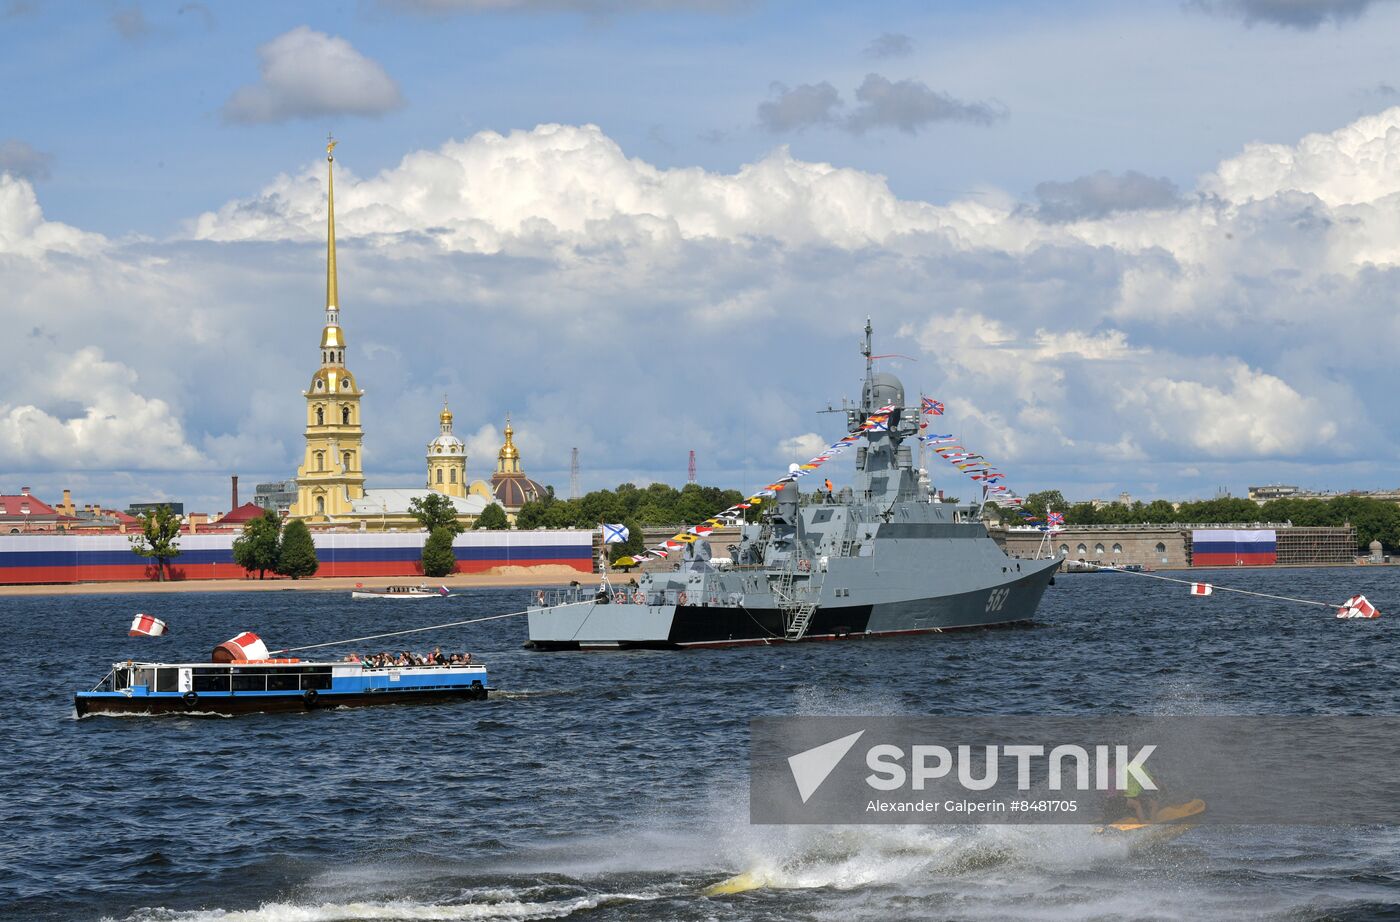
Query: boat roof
[(294, 664)]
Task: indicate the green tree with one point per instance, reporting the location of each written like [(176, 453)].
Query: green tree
[(493, 517), (297, 557), (438, 559), (435, 511), (159, 538), (1037, 503), (257, 548)]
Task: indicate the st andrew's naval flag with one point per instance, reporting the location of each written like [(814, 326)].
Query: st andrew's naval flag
[(932, 407), (615, 534)]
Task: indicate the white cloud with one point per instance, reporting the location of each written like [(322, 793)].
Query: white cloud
[(116, 429), (305, 74), (25, 232), (638, 312), (799, 448)]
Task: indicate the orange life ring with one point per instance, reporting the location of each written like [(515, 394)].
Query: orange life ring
[(639, 597)]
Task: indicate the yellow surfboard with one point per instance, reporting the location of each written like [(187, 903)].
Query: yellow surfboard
[(739, 883)]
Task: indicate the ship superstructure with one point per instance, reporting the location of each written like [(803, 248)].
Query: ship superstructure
[(882, 557)]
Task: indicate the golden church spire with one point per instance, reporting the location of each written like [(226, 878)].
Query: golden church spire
[(332, 338), (332, 296)]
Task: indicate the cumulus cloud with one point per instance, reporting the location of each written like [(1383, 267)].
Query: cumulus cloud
[(910, 105), (19, 158), (1103, 193), (793, 109), (116, 428), (890, 45), (564, 190), (24, 230), (1295, 14), (305, 73), (1227, 334)]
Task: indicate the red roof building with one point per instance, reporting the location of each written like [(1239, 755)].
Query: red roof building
[(240, 516), (23, 513)]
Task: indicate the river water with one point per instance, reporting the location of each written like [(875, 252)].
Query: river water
[(612, 786)]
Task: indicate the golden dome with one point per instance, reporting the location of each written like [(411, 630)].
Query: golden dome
[(445, 417), (508, 451)]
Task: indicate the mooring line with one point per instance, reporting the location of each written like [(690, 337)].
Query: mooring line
[(417, 630), (1215, 588)]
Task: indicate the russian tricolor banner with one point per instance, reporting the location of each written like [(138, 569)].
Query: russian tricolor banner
[(1234, 547)]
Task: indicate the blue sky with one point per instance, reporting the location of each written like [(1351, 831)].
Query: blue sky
[(1036, 199)]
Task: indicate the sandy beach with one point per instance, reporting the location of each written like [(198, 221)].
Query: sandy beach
[(502, 576)]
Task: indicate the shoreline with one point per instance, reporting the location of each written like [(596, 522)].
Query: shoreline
[(505, 577)]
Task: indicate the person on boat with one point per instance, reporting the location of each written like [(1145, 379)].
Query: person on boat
[(829, 497), (352, 658)]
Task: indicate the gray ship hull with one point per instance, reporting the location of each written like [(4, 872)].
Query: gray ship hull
[(591, 625)]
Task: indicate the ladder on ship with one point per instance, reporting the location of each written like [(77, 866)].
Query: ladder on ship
[(797, 610)]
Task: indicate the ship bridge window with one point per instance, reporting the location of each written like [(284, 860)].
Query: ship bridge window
[(121, 678)]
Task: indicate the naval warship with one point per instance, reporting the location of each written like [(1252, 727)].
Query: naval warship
[(882, 558)]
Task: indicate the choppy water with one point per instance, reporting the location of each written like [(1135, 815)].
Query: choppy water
[(612, 786)]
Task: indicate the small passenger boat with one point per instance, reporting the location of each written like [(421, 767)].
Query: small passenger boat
[(400, 592), (234, 683)]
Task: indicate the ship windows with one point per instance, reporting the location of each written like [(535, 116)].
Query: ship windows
[(211, 680), (284, 681), (167, 680), (243, 682)]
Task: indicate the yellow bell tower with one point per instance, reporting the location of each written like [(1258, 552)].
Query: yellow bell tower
[(332, 474), (447, 458)]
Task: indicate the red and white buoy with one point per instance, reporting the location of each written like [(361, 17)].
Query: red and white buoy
[(244, 647), (146, 626)]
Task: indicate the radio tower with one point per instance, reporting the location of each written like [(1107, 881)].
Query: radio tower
[(573, 475), (690, 474)]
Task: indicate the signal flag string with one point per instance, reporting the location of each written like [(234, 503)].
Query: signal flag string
[(1350, 605)]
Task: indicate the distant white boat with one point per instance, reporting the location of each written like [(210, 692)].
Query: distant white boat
[(400, 592)]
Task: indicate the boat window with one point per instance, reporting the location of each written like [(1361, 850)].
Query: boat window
[(319, 681), (285, 680), (246, 683), (146, 677), (212, 680), (121, 678), (167, 680)]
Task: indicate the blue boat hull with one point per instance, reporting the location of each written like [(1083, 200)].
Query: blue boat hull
[(219, 705)]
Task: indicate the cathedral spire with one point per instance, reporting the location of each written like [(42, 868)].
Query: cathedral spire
[(332, 296), (332, 339)]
